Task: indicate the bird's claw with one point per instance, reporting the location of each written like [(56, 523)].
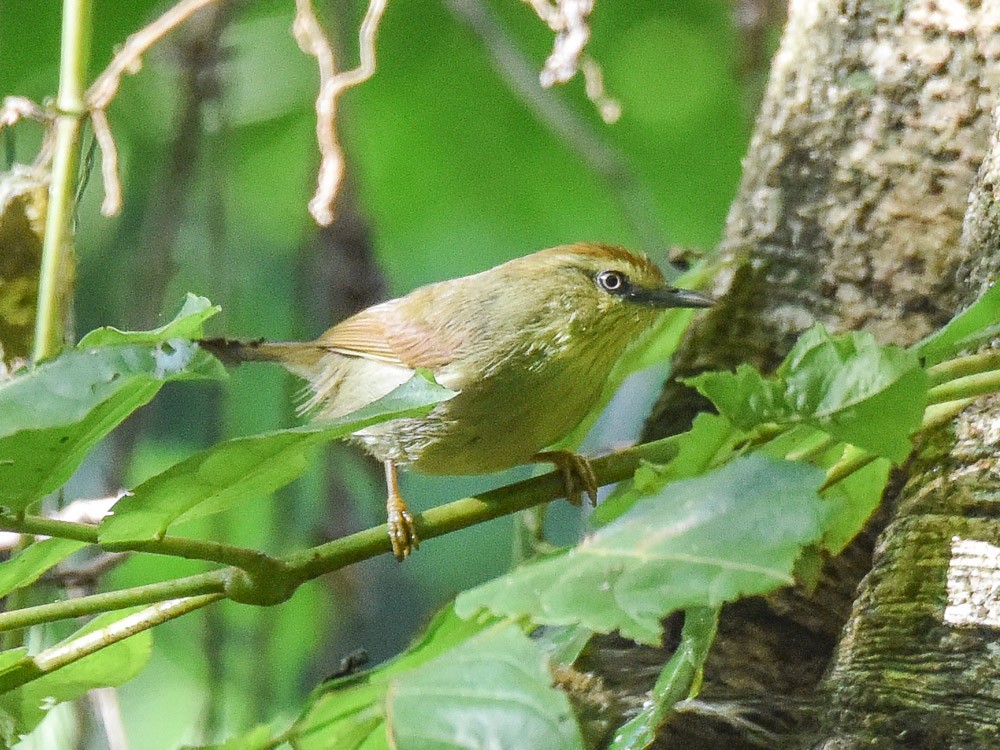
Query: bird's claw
[(578, 474), (402, 528)]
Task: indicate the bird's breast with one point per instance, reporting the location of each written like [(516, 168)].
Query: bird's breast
[(501, 417)]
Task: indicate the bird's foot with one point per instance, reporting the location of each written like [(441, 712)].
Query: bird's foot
[(578, 474), (402, 529)]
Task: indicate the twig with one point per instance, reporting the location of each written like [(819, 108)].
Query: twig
[(270, 583), (54, 276), (112, 202), (105, 704), (127, 61), (608, 108), (87, 575), (14, 108), (313, 41), (78, 511), (51, 659), (568, 19)]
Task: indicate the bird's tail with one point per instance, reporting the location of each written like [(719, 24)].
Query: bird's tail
[(293, 355)]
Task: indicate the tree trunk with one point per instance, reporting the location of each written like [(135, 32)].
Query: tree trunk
[(875, 122)]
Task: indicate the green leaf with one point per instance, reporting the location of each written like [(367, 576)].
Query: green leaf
[(25, 706), (678, 680), (187, 324), (973, 325), (698, 542), (494, 690), (260, 737), (562, 644), (348, 712), (50, 417), (855, 390), (28, 565), (852, 501), (709, 438), (223, 475)]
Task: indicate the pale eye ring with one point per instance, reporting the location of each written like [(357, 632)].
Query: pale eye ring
[(612, 282)]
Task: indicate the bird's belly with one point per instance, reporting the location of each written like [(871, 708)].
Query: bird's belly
[(490, 425)]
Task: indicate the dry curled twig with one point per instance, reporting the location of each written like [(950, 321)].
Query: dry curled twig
[(112, 202), (128, 58), (313, 41), (127, 61), (14, 108), (568, 19)]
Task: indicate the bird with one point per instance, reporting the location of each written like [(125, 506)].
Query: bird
[(526, 345)]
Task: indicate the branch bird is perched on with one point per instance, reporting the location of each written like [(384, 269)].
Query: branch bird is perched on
[(528, 346)]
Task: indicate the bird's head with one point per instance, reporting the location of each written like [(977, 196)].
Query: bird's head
[(588, 290), (584, 302), (612, 277)]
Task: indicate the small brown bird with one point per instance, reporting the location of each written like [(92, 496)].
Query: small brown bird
[(527, 345)]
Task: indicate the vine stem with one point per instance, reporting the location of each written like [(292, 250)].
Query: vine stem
[(55, 274)]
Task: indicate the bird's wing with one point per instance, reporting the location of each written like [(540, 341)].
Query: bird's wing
[(381, 334)]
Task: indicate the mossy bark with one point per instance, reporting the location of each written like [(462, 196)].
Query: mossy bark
[(875, 124)]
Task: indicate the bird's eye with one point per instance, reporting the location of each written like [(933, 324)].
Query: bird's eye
[(612, 281)]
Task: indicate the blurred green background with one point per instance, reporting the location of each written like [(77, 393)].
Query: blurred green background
[(457, 160)]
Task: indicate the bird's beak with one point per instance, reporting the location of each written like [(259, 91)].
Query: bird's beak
[(670, 297)]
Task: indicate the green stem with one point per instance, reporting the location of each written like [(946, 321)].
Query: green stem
[(680, 678), (204, 583), (191, 549), (855, 459), (255, 578), (56, 657), (970, 364), (967, 386), (55, 272), (278, 583)]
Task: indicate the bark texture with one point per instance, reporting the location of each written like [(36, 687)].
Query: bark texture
[(876, 121), (919, 662)]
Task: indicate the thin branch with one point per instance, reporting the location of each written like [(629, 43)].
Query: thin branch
[(313, 41), (105, 704), (609, 108), (51, 659), (568, 19), (270, 585), (262, 580), (250, 560), (77, 512), (88, 574), (213, 584), (13, 109)]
